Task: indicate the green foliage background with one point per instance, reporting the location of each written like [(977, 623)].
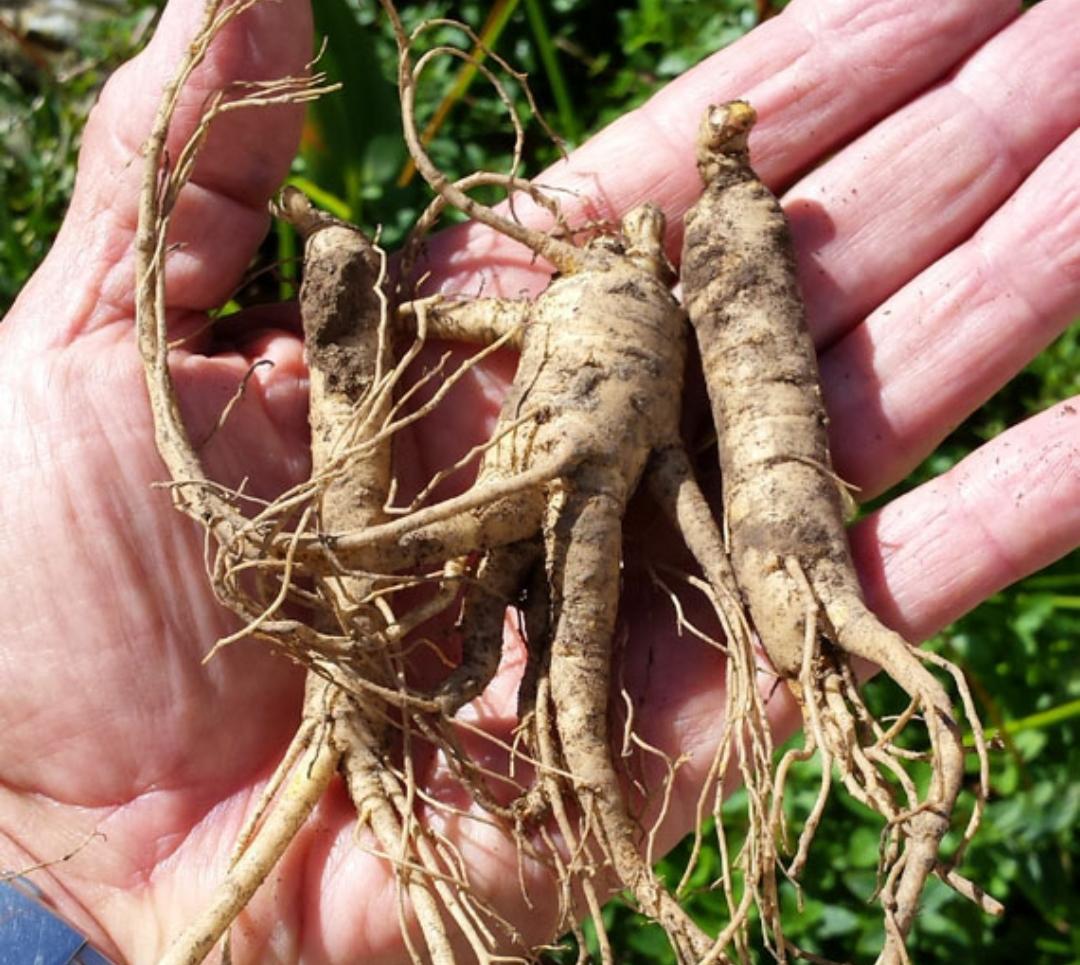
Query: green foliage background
[(589, 62)]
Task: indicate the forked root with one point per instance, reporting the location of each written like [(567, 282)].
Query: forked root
[(583, 538), (865, 756), (922, 827), (784, 511)]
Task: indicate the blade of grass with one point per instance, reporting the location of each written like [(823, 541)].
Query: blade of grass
[(1066, 602), (1040, 721), (326, 200), (1054, 581), (569, 125)]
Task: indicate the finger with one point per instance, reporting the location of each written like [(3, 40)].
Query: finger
[(818, 73), (941, 346), (87, 279), (1006, 511), (920, 182)]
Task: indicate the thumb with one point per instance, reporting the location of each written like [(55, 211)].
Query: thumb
[(88, 277)]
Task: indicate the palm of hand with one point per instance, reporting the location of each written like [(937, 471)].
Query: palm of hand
[(113, 724)]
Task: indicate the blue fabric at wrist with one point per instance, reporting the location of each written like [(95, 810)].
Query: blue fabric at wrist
[(31, 933)]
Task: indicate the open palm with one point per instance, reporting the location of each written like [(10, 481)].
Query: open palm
[(932, 175)]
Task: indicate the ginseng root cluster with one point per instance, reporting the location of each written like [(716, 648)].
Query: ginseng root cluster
[(358, 591)]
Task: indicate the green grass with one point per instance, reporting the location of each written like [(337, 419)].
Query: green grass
[(590, 62), (42, 112)]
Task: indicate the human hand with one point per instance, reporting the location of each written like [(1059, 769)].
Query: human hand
[(111, 721)]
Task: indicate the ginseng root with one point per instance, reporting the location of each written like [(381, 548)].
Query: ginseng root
[(600, 374), (784, 509), (350, 639), (348, 353)]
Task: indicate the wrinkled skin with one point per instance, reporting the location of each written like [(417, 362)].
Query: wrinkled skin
[(109, 719)]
